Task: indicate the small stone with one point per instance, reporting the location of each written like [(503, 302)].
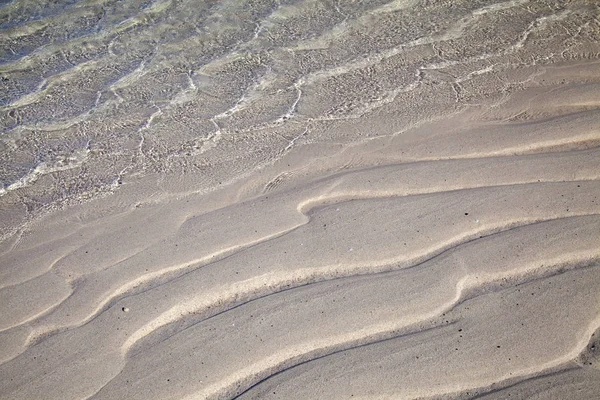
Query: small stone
[(125, 309)]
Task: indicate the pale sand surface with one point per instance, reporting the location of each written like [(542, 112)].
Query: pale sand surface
[(300, 200)]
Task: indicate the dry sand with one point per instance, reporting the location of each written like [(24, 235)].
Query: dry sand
[(300, 200)]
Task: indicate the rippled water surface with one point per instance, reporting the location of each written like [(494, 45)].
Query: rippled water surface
[(95, 93)]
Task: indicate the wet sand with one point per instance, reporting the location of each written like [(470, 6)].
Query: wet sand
[(389, 199)]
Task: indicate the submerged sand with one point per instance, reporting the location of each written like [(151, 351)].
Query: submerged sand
[(300, 200)]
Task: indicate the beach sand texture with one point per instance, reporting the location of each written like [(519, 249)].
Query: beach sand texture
[(388, 199)]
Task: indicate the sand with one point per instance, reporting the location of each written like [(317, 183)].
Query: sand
[(300, 200)]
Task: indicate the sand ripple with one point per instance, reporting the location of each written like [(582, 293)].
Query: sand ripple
[(299, 199)]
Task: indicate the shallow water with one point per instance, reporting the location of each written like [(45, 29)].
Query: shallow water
[(97, 93)]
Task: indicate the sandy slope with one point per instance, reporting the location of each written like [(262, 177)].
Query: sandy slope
[(420, 222)]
